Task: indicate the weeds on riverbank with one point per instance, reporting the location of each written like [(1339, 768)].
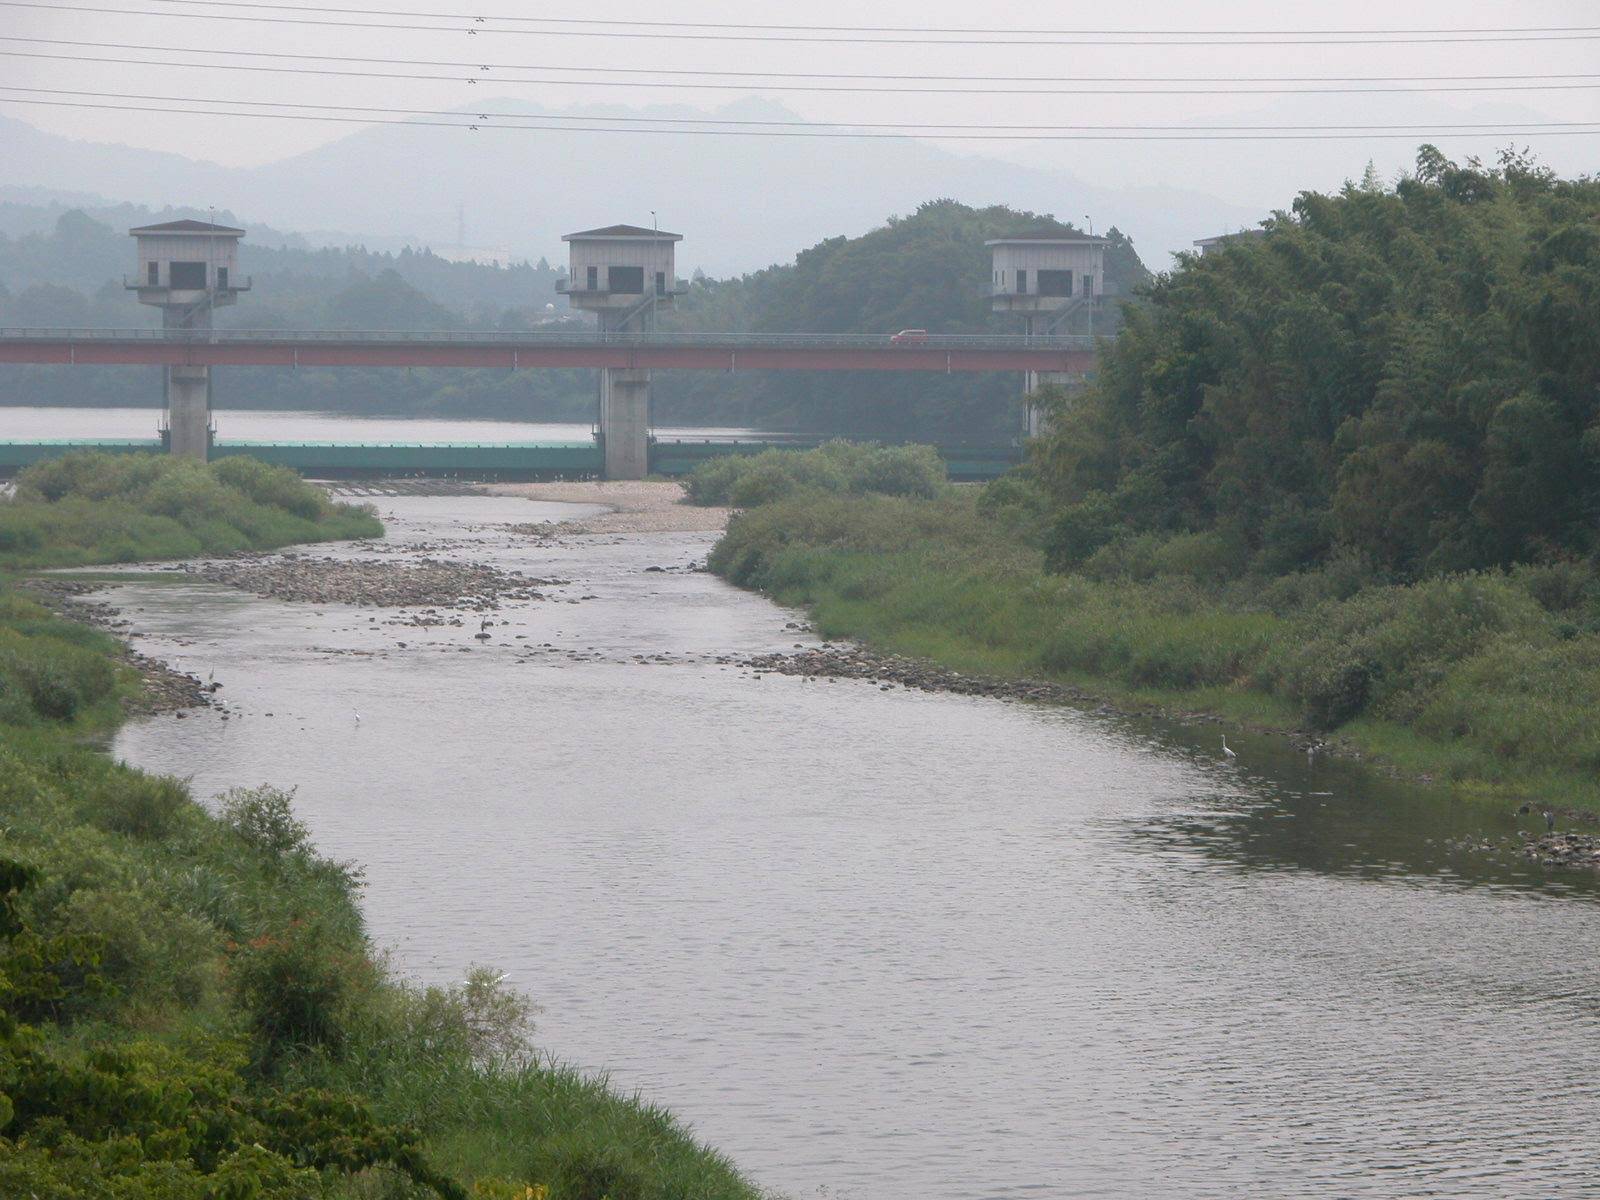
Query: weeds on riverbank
[(103, 508), (839, 467), (1488, 678)]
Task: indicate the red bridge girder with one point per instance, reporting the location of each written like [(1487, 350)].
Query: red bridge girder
[(710, 356)]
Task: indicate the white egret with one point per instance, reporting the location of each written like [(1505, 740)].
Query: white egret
[(1226, 752)]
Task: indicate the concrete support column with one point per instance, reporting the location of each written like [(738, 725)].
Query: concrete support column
[(1034, 419), (189, 411), (625, 422)]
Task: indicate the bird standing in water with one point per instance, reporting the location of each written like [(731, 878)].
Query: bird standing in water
[(1226, 752), (1549, 821)]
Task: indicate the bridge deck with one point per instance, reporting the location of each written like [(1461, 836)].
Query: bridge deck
[(526, 351)]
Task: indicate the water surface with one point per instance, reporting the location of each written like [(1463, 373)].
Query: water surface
[(890, 946), (252, 425)]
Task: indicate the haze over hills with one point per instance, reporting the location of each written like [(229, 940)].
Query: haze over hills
[(741, 202)]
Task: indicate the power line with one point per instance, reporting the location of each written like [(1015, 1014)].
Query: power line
[(457, 16), (474, 26), (809, 88), (881, 77), (1416, 129), (467, 123)]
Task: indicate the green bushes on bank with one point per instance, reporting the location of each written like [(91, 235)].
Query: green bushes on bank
[(838, 467), (102, 508), (1494, 675)]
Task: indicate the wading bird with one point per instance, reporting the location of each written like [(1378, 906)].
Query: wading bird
[(1226, 752), (1549, 821)]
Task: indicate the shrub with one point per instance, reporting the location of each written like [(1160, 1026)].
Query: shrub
[(141, 806), (749, 481), (1080, 530), (264, 818), (298, 988), (86, 508)]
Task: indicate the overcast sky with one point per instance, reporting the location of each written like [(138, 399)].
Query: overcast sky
[(1263, 173)]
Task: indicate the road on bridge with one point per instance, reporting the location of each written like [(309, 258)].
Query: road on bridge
[(529, 351)]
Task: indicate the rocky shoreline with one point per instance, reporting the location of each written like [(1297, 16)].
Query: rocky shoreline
[(162, 689), (425, 583), (836, 661)]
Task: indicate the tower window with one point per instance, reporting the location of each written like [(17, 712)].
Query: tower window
[(594, 279), (222, 279), (1022, 283), (661, 283), (152, 274), (626, 281), (1055, 283), (187, 276)]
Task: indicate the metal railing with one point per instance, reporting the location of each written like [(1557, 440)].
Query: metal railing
[(555, 338)]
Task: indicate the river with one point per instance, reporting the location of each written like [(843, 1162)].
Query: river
[(885, 945), (27, 424)]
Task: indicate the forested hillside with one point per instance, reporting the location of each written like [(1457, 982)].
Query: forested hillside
[(1409, 378), (928, 270)]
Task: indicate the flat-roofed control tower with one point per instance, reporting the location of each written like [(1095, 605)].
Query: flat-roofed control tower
[(1047, 281), (188, 269), (625, 275)]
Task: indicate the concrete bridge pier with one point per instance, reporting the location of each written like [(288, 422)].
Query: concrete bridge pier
[(1035, 421), (625, 422), (189, 412)]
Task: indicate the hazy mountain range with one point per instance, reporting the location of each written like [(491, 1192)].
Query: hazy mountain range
[(741, 202)]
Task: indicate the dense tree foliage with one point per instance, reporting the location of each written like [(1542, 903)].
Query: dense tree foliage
[(1407, 377)]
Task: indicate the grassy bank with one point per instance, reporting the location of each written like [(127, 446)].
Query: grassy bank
[(107, 508), (1488, 680), (190, 1008)]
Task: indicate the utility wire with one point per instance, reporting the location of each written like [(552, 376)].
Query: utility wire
[(475, 126), (501, 80), (474, 26), (1416, 128), (485, 67), (457, 16)]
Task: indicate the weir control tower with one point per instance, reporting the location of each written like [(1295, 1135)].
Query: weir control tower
[(625, 275), (188, 269), (1052, 283)]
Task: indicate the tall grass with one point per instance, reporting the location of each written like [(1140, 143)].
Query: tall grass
[(839, 466), (1493, 677), (102, 508)]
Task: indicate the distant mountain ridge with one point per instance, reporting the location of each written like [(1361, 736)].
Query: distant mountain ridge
[(742, 203)]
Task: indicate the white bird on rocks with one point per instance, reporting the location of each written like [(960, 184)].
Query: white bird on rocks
[(1226, 752)]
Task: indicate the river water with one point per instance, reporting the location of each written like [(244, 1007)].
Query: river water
[(883, 945), (26, 424)]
